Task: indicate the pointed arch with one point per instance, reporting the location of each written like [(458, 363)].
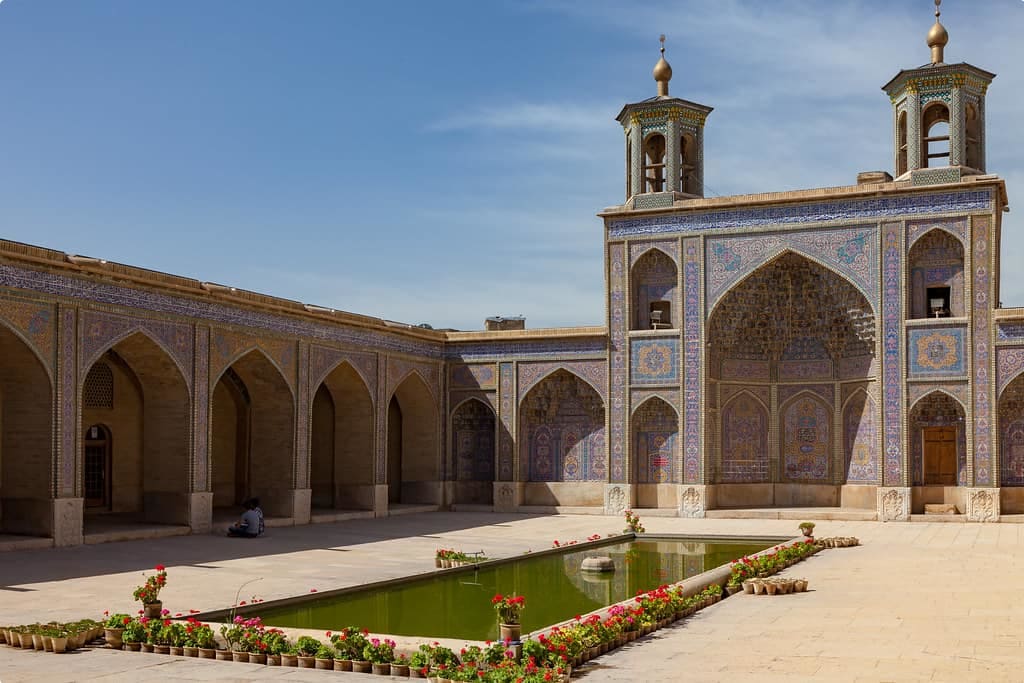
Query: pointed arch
[(247, 351), (149, 418), (342, 423), (931, 394), (1011, 433), (744, 440), (414, 463), (8, 326), (366, 381), (806, 436), (654, 281), (27, 466), (777, 254), (526, 387), (562, 425), (253, 429), (655, 426), (419, 375), (97, 353), (473, 430), (861, 438)]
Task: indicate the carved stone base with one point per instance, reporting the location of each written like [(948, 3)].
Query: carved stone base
[(67, 521), (893, 504), (200, 512), (508, 496), (982, 505), (693, 500), (617, 499)]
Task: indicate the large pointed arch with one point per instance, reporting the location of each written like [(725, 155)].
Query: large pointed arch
[(414, 462), (27, 476), (1011, 434), (253, 435), (526, 385), (474, 451), (562, 430), (342, 440), (145, 470), (936, 410)]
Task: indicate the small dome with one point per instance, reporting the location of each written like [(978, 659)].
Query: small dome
[(937, 36), (662, 71)]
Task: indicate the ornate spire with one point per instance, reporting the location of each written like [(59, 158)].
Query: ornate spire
[(937, 36), (662, 71)]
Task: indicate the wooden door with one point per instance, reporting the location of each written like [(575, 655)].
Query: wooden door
[(940, 456), (96, 467)]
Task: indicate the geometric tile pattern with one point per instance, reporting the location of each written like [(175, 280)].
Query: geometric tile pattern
[(1009, 364), (594, 372), (982, 418), (744, 441), (617, 361), (806, 440), (101, 331), (892, 316), (473, 376), (936, 351), (506, 408), (860, 440), (692, 318), (656, 430), (654, 361), (36, 323)]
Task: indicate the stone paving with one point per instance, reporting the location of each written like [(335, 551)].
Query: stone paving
[(917, 601)]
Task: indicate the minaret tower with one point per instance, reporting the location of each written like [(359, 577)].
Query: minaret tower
[(939, 116), (664, 146)]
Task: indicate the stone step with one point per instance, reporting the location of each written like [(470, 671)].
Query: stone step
[(941, 519), (801, 514), (940, 509)]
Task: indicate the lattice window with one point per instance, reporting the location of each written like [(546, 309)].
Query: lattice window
[(98, 391)]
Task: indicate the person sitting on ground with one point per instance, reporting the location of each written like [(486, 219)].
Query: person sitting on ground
[(259, 513), (251, 524)]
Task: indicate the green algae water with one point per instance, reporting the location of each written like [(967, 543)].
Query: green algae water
[(457, 603)]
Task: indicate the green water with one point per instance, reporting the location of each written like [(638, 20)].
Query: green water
[(457, 604)]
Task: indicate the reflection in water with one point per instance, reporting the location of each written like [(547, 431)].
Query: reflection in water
[(458, 605)]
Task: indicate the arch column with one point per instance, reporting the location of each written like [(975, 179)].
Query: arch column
[(68, 504), (201, 495)]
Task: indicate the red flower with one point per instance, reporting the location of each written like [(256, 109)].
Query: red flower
[(126, 620), (241, 603), (160, 567), (312, 590)]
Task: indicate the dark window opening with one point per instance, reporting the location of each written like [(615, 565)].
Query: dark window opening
[(661, 315), (938, 302)]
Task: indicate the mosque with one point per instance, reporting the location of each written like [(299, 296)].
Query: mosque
[(839, 347)]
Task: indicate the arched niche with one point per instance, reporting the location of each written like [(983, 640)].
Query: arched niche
[(413, 460), (341, 442), (137, 393), (806, 439), (861, 449), (253, 452), (938, 441), (655, 285), (655, 453), (1011, 437), (26, 439), (936, 271), (744, 441), (935, 135), (473, 452)]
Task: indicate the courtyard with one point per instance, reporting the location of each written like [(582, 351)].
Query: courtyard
[(916, 601)]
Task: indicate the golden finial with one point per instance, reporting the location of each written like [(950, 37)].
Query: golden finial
[(662, 71), (937, 36)]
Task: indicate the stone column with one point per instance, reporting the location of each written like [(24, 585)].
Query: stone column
[(200, 505), (957, 133), (672, 169), (68, 503), (508, 493), (913, 130), (380, 450), (636, 163)]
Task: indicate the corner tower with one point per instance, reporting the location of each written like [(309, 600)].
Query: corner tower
[(939, 116), (664, 146)]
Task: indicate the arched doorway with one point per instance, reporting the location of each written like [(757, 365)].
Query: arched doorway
[(782, 345), (341, 442), (252, 449), (938, 442), (26, 439), (562, 442), (655, 427), (473, 451), (413, 455), (137, 406)]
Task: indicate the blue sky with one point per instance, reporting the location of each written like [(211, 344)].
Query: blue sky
[(440, 162)]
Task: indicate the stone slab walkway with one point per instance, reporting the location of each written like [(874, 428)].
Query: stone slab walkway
[(917, 601)]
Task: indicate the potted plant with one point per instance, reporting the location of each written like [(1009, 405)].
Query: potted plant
[(343, 653), (633, 524), (113, 629), (419, 662), (149, 592), (380, 654), (400, 667), (509, 609), (290, 656), (356, 643), (324, 657), (307, 647), (161, 644), (276, 645), (807, 528), (174, 634), (204, 640), (232, 635)]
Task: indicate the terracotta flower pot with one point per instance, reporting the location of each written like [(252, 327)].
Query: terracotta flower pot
[(133, 647), (257, 658), (306, 662), (361, 666), (207, 653), (324, 663), (342, 664), (153, 610), (401, 670), (162, 649), (147, 647), (273, 660), (237, 656), (190, 651), (224, 656), (60, 644), (381, 669), (289, 660), (177, 651), (511, 632)]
